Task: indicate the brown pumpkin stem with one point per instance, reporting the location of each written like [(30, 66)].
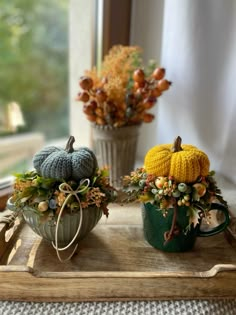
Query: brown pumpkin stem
[(69, 146), (170, 234), (177, 145)]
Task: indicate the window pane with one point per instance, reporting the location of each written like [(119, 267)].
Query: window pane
[(34, 72)]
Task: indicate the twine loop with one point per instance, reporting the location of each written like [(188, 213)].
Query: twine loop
[(67, 189), (9, 219)]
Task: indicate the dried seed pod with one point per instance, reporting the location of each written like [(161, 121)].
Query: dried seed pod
[(101, 95), (91, 117), (136, 119), (88, 110), (149, 102), (120, 114), (159, 73), (99, 112), (86, 83), (139, 76), (83, 97), (147, 117), (93, 105), (121, 106), (155, 92), (110, 107), (163, 85), (100, 121)]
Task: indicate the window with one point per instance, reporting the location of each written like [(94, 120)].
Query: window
[(34, 101), (45, 47)]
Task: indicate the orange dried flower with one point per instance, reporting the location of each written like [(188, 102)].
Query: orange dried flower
[(122, 91)]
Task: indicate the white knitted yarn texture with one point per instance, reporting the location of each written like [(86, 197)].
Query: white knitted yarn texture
[(192, 307)]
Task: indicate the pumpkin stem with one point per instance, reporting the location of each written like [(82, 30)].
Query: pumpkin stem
[(177, 145), (69, 146)]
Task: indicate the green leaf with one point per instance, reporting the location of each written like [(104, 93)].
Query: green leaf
[(193, 216)]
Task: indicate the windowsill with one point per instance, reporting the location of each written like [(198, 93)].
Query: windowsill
[(17, 140), (14, 148)]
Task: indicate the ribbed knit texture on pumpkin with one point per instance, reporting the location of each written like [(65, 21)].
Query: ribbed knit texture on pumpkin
[(185, 166), (84, 164), (57, 165), (53, 162), (42, 155)]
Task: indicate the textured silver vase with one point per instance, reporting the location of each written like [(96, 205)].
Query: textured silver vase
[(116, 148), (67, 227)]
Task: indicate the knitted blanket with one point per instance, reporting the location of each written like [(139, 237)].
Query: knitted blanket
[(203, 307)]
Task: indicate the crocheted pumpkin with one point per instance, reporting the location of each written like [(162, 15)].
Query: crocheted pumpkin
[(57, 163), (185, 163)]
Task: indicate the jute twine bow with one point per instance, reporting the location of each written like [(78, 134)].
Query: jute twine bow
[(9, 219), (66, 188)]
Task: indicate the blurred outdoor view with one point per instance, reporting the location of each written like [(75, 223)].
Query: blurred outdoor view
[(34, 68)]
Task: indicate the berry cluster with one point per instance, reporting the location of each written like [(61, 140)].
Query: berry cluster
[(165, 192), (43, 195), (133, 109), (123, 94)]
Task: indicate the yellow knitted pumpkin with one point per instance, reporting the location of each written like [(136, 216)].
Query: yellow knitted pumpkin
[(185, 163)]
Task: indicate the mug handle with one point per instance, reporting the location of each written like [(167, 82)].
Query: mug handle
[(221, 227)]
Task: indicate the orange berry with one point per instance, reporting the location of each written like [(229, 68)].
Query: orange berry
[(91, 117), (111, 107), (136, 119), (99, 111), (139, 76), (86, 83), (121, 106), (83, 97), (100, 121), (149, 102), (138, 85), (88, 109), (159, 73), (93, 105), (101, 96), (163, 85), (148, 117), (155, 92), (120, 114)]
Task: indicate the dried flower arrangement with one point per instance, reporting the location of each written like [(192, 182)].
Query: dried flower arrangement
[(65, 195), (175, 176), (45, 196), (166, 192), (123, 91)]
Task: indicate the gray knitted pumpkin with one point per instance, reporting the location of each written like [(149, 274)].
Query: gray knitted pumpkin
[(57, 163)]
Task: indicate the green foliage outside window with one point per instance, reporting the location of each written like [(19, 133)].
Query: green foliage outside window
[(34, 62)]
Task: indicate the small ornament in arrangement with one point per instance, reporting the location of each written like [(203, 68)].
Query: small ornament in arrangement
[(177, 191), (63, 199), (117, 101)]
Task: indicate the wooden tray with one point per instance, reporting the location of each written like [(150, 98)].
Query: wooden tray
[(114, 262)]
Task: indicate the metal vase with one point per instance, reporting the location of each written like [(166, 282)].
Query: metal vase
[(68, 224), (116, 148), (67, 227)]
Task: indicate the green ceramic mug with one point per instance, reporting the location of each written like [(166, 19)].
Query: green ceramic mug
[(156, 227)]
